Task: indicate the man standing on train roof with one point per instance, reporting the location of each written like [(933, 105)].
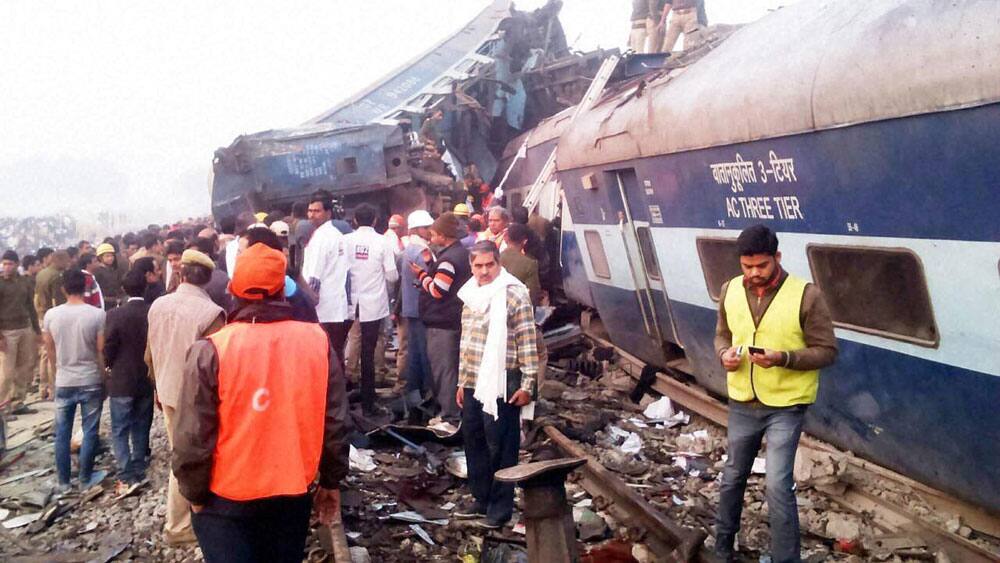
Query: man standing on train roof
[(684, 19), (774, 334)]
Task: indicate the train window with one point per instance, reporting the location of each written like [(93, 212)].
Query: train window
[(879, 291), (348, 165), (516, 199), (598, 259), (720, 262), (648, 253)]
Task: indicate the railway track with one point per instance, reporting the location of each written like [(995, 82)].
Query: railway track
[(887, 516)]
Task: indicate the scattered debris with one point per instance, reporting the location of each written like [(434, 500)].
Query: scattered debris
[(423, 534), (457, 465), (661, 409), (410, 516), (22, 520), (589, 525), (842, 526), (362, 460), (25, 475)]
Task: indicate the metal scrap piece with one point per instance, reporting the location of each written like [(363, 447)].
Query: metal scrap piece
[(22, 520), (24, 475)]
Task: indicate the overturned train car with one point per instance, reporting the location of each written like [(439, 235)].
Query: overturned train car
[(496, 77), (865, 135)]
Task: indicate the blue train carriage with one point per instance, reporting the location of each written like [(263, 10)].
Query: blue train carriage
[(865, 134)]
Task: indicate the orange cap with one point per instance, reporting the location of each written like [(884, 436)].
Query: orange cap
[(260, 272)]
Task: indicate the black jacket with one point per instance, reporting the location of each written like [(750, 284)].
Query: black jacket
[(196, 425), (125, 335), (446, 311)]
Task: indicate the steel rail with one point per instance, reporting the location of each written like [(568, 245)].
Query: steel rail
[(961, 549), (631, 509)]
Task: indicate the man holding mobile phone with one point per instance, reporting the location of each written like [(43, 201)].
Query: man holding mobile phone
[(773, 335)]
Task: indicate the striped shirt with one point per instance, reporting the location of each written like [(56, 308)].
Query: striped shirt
[(440, 283), (522, 350)]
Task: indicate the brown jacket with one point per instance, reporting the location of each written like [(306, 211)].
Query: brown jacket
[(524, 268), (817, 327), (176, 321), (196, 426)]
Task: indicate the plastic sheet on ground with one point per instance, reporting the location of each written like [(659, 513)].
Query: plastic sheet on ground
[(632, 444), (362, 460), (661, 409)]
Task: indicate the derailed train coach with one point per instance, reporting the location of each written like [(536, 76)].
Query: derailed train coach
[(866, 136), (497, 76)]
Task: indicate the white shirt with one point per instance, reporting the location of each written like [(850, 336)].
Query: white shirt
[(372, 264), (324, 261), (392, 239), (232, 251)]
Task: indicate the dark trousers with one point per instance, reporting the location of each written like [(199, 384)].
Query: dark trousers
[(491, 445), (131, 418), (271, 530), (338, 338), (748, 425), (369, 340), (442, 349)]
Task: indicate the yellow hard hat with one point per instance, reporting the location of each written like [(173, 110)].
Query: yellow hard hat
[(260, 216), (461, 210)]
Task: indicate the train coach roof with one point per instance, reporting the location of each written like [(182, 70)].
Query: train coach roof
[(818, 64)]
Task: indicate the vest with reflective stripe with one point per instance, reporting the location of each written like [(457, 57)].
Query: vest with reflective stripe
[(272, 408), (780, 329)]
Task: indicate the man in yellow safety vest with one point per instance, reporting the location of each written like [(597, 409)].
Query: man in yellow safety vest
[(773, 335)]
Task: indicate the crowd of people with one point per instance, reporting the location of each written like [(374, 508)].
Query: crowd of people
[(26, 234), (217, 327)]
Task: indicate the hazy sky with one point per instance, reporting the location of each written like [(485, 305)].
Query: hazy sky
[(119, 105)]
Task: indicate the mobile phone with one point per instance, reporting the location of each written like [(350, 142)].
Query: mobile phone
[(755, 351)]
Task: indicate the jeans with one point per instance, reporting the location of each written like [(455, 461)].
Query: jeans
[(748, 424), (131, 418), (270, 530), (418, 363), (491, 445), (91, 399), (442, 350)]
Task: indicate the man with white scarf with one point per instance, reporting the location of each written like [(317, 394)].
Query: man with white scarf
[(498, 364)]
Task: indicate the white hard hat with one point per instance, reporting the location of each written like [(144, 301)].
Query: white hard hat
[(280, 228), (419, 218)]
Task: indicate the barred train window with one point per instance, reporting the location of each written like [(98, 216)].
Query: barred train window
[(648, 253), (879, 291), (598, 259), (720, 262)]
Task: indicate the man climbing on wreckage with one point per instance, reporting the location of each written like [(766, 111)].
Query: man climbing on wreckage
[(263, 408), (774, 334)]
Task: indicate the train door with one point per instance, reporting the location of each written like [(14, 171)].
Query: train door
[(634, 222)]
